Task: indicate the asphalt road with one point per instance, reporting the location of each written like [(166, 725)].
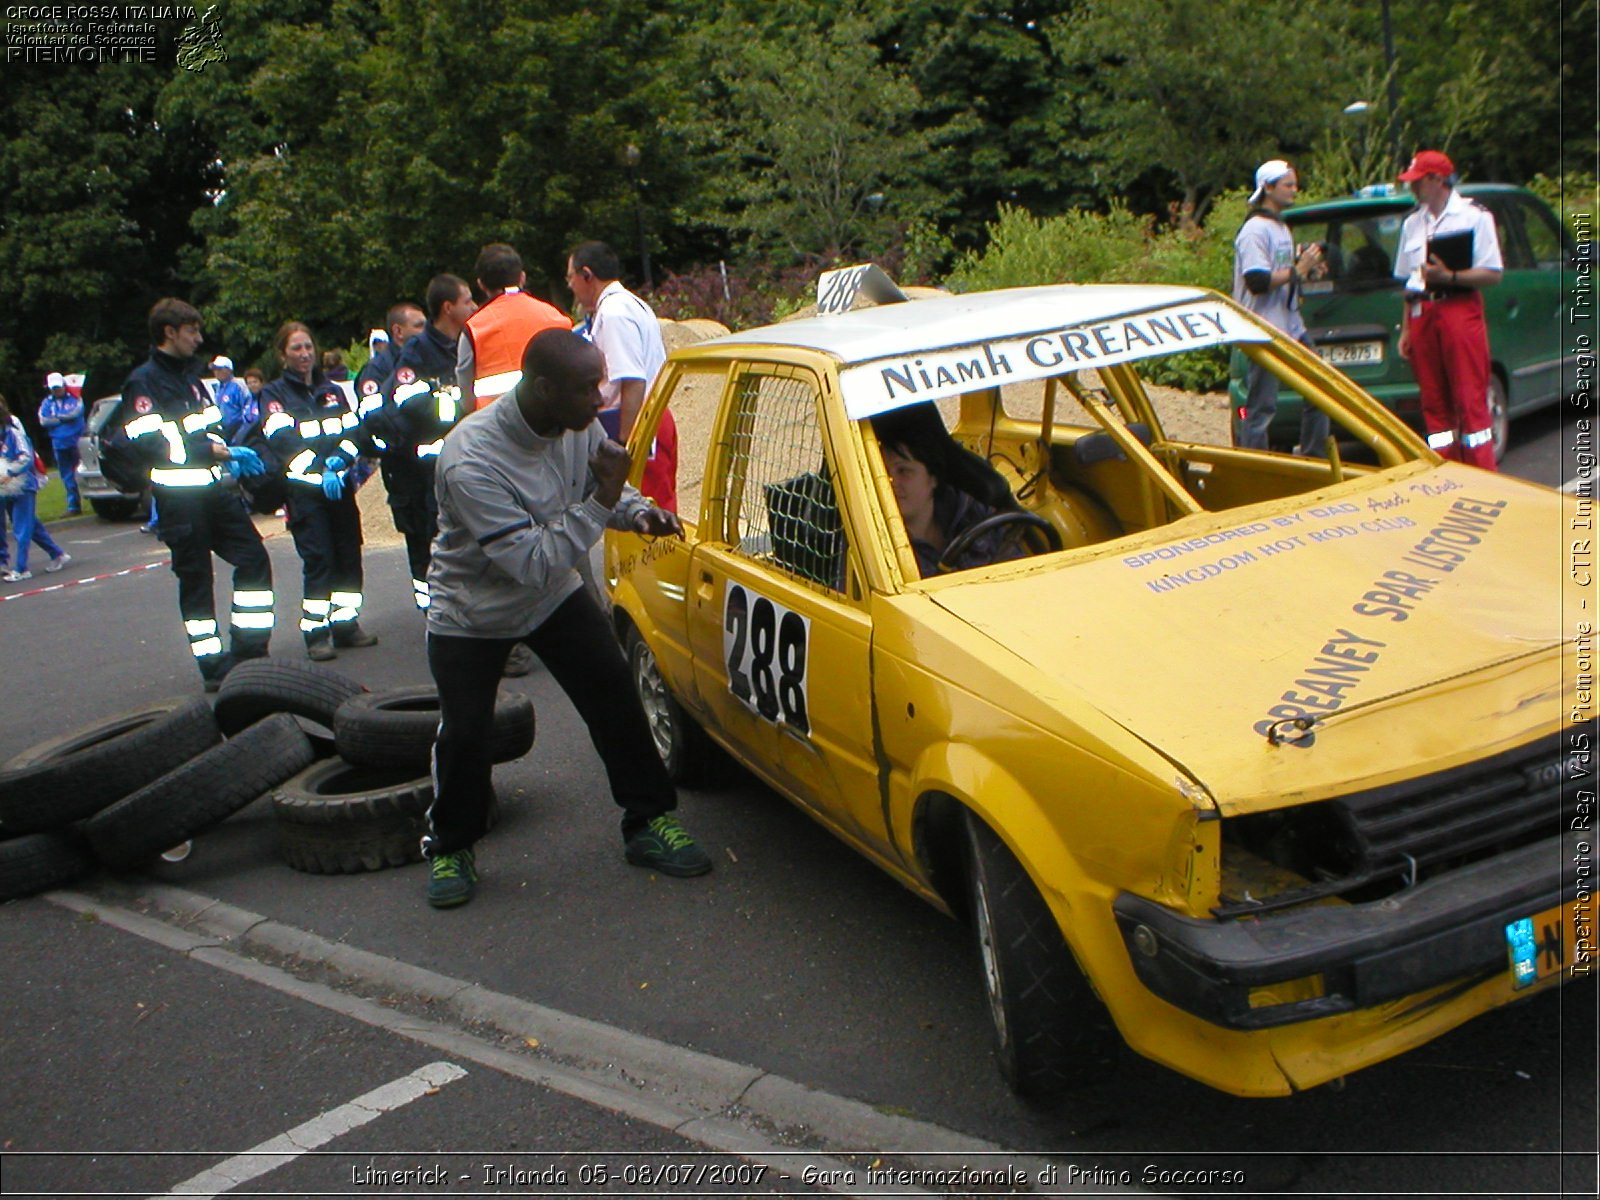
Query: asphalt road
[(794, 957)]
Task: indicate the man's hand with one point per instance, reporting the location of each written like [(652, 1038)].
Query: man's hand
[(249, 461), (609, 465), (658, 522), (1405, 341), (1436, 274)]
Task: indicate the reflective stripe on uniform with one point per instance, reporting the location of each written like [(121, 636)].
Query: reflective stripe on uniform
[(183, 477), (346, 606), (277, 421), (314, 614), (258, 599), (407, 390), (496, 385), (421, 593), (252, 620), (200, 628), (431, 450), (1442, 440), (194, 422), (1480, 438), (206, 647)]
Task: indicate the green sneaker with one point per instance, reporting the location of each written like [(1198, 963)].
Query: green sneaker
[(451, 879), (665, 846)]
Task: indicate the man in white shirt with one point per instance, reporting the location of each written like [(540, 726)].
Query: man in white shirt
[(626, 331), (1449, 252)]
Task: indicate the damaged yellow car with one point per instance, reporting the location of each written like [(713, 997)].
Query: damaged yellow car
[(1273, 765)]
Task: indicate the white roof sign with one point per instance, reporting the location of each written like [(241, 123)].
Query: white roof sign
[(891, 382)]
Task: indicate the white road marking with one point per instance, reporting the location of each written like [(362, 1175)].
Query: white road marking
[(319, 1131)]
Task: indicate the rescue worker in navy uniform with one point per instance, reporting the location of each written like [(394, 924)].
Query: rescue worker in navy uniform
[(416, 413), (173, 428), (306, 428), (405, 321)]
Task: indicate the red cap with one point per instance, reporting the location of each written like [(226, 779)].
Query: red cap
[(1428, 162)]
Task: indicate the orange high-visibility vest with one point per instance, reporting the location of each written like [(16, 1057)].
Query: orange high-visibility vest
[(500, 332)]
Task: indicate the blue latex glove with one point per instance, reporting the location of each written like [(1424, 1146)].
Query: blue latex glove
[(332, 485), (335, 462), (246, 460), (233, 468)]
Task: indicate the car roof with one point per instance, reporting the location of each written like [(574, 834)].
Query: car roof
[(938, 322), (899, 354), (1399, 202)]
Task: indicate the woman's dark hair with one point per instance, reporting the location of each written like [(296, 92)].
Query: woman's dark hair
[(918, 432)]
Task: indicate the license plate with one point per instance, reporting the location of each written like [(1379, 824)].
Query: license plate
[(1352, 354), (1542, 945)]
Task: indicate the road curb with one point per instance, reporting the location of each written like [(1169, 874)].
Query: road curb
[(715, 1101)]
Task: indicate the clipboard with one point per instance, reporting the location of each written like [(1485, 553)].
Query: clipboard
[(1454, 250)]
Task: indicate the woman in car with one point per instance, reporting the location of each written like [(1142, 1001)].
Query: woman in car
[(923, 462), (304, 432)]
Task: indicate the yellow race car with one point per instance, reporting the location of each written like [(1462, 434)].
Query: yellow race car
[(1275, 765)]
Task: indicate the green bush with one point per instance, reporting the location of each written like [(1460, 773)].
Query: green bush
[(1571, 195), (1114, 247)]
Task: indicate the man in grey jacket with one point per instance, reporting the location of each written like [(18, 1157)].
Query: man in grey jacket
[(525, 488)]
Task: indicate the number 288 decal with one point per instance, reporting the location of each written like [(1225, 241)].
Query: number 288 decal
[(764, 646)]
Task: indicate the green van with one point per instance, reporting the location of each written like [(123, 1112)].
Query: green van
[(1354, 313)]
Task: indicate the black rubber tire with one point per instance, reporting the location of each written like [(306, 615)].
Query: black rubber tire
[(395, 727), (1051, 1033), (335, 818), (41, 861), (259, 687), (685, 750), (199, 794), (75, 776), (1499, 417)]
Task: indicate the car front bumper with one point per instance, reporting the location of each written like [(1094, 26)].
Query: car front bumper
[(1448, 929)]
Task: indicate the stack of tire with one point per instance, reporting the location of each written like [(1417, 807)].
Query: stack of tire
[(125, 790)]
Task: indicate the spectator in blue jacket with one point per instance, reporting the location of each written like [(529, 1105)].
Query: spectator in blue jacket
[(19, 485), (236, 402), (61, 414)]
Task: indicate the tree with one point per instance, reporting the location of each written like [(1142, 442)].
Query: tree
[(818, 154), (1198, 94), (95, 196)]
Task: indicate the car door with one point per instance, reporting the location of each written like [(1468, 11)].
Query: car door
[(1528, 307), (779, 624)]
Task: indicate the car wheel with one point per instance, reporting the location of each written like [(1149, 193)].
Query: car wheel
[(259, 687), (41, 861), (1050, 1031), (681, 744), (337, 819), (76, 775), (209, 788), (396, 727), (1499, 417)]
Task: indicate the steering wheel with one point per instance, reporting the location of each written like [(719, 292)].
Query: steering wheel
[(962, 541)]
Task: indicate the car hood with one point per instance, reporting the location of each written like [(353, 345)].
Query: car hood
[(1417, 615)]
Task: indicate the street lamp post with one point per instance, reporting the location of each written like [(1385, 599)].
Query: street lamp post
[(631, 156)]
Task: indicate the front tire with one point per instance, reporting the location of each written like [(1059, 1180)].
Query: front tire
[(681, 744), (1051, 1033)]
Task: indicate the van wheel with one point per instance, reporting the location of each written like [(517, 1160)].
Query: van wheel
[(1499, 417), (1051, 1033)]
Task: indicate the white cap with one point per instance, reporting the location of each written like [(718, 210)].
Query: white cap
[(1267, 174), (376, 336), (222, 361), (55, 379)]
